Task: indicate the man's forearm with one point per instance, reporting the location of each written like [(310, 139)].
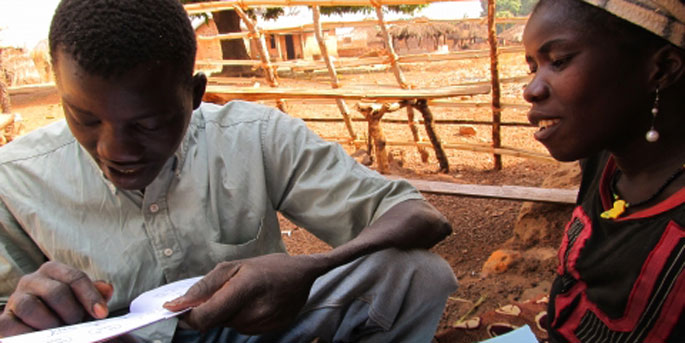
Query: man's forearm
[(412, 224)]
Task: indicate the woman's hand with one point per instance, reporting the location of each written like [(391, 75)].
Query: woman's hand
[(53, 296), (252, 296)]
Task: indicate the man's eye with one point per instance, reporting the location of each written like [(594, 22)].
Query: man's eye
[(86, 120), (147, 125)]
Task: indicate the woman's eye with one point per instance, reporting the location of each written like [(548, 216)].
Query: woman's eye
[(560, 63)]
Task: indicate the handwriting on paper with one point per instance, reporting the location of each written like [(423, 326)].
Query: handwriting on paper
[(144, 310)]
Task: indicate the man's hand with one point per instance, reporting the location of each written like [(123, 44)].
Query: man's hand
[(253, 296), (52, 296)]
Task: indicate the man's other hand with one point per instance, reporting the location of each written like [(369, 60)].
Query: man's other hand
[(252, 296)]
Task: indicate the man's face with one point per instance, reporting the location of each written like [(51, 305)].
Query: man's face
[(587, 93), (130, 124)]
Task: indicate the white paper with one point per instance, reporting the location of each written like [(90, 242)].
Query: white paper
[(521, 335), (144, 310)]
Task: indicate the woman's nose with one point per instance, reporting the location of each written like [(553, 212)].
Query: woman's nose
[(536, 90)]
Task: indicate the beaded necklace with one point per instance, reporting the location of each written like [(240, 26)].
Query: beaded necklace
[(620, 205)]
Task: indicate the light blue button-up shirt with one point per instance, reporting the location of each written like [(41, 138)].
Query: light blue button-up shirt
[(215, 200)]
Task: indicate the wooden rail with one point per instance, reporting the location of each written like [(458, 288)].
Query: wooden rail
[(213, 6), (223, 94), (521, 193)]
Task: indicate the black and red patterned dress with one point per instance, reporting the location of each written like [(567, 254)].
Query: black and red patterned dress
[(619, 280)]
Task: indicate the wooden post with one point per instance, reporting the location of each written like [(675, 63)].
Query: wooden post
[(277, 38), (331, 71), (374, 114), (422, 106), (496, 107), (258, 37), (5, 104), (412, 120), (391, 49), (403, 83)]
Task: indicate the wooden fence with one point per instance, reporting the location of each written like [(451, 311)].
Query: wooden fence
[(373, 103)]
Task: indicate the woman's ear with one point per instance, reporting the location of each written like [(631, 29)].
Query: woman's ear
[(667, 66), (199, 86)]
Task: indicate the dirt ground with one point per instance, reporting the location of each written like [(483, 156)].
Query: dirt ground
[(480, 225)]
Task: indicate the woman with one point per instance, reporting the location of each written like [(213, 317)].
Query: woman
[(609, 89)]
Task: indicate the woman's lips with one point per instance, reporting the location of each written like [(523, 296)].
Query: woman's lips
[(547, 127)]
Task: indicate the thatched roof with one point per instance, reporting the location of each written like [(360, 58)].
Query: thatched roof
[(467, 30), (420, 30), (513, 34)]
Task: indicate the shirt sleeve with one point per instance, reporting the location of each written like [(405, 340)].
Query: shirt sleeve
[(319, 187), (18, 254)]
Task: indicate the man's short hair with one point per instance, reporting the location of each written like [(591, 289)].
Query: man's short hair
[(111, 37)]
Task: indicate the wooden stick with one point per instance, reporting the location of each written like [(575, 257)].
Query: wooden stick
[(263, 52), (465, 147), (226, 93), (349, 62), (389, 47), (203, 7), (555, 195), (368, 22), (494, 75), (412, 120), (374, 113), (422, 106), (331, 71)]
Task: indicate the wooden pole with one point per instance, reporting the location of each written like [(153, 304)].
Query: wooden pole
[(374, 114), (390, 48), (335, 83), (412, 120), (258, 38), (496, 107), (5, 103), (403, 84), (422, 106)]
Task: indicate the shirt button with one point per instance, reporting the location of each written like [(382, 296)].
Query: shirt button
[(154, 208), (168, 252)]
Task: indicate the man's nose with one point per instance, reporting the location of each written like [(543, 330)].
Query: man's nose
[(119, 144)]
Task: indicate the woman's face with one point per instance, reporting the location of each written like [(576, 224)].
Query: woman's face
[(587, 94)]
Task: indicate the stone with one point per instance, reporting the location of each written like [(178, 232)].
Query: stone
[(500, 261), (467, 131)]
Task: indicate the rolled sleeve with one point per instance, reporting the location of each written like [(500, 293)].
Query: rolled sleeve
[(318, 186)]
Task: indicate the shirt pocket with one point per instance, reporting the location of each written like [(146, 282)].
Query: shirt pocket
[(265, 239)]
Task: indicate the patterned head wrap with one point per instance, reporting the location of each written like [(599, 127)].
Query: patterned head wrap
[(665, 18)]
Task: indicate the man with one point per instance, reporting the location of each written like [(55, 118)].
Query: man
[(144, 185)]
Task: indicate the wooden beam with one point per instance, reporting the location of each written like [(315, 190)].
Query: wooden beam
[(222, 94), (521, 193), (348, 62), (213, 6)]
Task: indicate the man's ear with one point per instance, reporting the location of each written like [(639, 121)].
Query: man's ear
[(668, 66), (199, 86)]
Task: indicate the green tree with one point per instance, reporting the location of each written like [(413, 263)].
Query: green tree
[(510, 8), (229, 21)]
